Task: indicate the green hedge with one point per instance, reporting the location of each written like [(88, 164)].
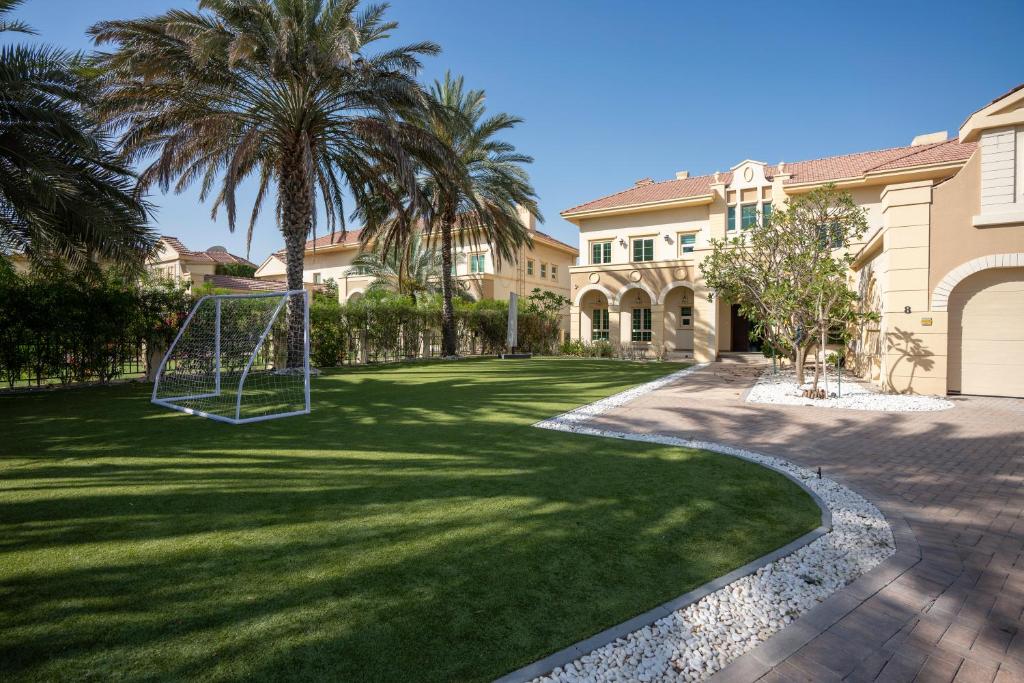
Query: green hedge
[(383, 327), (65, 327)]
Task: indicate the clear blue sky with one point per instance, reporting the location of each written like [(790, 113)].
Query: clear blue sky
[(616, 91)]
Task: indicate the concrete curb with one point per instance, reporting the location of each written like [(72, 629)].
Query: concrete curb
[(781, 643), (762, 659)]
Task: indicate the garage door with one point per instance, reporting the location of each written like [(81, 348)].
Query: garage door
[(986, 333)]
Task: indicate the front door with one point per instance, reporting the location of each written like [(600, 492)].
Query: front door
[(740, 326)]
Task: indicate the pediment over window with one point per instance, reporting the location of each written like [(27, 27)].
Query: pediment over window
[(748, 173)]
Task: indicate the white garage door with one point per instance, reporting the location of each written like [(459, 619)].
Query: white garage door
[(986, 333)]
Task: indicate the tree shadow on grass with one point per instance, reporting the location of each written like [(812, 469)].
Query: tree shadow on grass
[(414, 527)]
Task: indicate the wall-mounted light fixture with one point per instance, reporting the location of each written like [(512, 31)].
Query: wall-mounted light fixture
[(622, 243), (668, 239)]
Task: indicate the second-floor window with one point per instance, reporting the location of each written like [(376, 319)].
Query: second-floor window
[(476, 263), (543, 270), (600, 252), (554, 272), (643, 249), (748, 216), (316, 278), (731, 220), (766, 211), (687, 242), (529, 267)]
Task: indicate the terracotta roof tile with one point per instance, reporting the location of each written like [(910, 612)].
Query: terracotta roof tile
[(544, 237), (814, 170), (655, 192), (244, 284), (212, 254), (351, 239)]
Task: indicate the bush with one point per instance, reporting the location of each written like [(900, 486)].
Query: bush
[(384, 326), (327, 341), (74, 327), (600, 348)]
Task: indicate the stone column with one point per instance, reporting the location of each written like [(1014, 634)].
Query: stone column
[(705, 327), (657, 328), (914, 342), (574, 323), (614, 326)]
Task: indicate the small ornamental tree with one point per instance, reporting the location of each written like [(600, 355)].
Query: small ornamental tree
[(788, 273)]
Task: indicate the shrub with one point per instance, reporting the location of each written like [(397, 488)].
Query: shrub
[(385, 326), (75, 326)]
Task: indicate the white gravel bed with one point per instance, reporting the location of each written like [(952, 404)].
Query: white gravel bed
[(782, 389), (696, 641)]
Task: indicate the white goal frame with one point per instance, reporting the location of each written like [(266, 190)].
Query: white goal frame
[(284, 296)]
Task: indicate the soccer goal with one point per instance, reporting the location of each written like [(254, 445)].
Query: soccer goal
[(230, 361)]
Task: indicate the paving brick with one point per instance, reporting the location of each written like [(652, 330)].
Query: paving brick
[(938, 670), (972, 672), (951, 483)]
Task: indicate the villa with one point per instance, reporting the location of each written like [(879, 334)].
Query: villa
[(175, 261), (942, 261), (546, 266)]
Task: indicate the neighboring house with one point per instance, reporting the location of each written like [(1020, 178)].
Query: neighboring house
[(942, 261), (546, 265), (176, 261)]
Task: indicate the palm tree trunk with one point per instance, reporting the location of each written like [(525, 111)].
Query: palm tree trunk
[(449, 346), (295, 191)]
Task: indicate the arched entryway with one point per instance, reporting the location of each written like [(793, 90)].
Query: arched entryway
[(636, 306), (986, 333), (679, 313), (595, 323)]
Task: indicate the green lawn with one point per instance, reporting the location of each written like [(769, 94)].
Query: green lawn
[(413, 527)]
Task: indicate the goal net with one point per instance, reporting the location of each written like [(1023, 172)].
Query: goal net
[(229, 361)]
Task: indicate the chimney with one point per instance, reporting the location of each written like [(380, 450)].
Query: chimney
[(930, 138), (643, 181), (526, 218), (682, 175)]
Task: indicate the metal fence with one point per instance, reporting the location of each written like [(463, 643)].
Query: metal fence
[(42, 365)]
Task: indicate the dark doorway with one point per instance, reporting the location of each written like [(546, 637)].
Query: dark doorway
[(742, 339)]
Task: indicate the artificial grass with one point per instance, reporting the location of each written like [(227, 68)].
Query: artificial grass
[(413, 527)]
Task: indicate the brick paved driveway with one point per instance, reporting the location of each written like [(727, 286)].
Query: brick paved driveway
[(948, 606)]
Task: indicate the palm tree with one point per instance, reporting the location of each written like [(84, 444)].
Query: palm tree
[(282, 91), (63, 194), (474, 201), (411, 269)]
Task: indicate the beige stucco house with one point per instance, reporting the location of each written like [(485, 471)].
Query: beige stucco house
[(942, 261), (545, 265), (174, 260)]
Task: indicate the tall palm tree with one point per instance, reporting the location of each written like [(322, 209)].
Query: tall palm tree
[(63, 194), (412, 268), (282, 91), (472, 202)]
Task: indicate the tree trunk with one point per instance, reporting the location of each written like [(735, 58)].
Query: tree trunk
[(799, 359), (817, 374), (449, 345), (824, 366), (296, 197)]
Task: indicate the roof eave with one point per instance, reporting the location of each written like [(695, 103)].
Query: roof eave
[(880, 177), (992, 115), (697, 200)]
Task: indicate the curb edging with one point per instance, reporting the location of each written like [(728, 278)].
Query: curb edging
[(572, 422)]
